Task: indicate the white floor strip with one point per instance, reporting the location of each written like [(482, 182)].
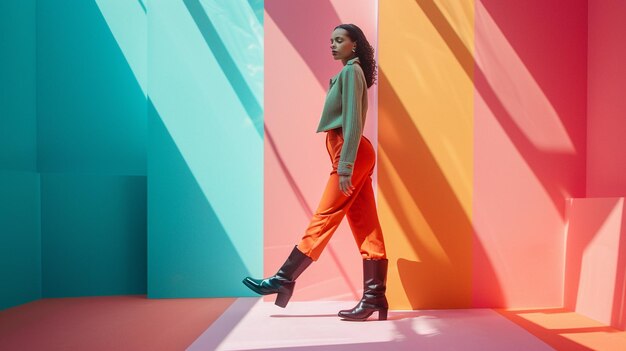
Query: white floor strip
[(251, 324)]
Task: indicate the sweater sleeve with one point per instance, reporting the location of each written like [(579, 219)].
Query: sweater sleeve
[(352, 90)]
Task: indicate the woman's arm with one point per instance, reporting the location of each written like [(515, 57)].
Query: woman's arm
[(353, 87)]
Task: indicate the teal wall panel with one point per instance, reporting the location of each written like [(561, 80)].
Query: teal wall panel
[(18, 132), (20, 239), (93, 234), (191, 254), (92, 133), (75, 149), (91, 108), (205, 147)]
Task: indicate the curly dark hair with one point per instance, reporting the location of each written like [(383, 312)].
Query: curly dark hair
[(364, 51)]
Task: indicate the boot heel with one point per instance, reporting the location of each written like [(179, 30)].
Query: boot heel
[(284, 294), (382, 315)]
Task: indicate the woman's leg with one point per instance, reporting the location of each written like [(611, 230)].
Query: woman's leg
[(363, 220), (334, 205), (332, 208)]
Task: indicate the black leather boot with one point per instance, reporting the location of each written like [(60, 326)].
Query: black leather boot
[(284, 280), (374, 287)]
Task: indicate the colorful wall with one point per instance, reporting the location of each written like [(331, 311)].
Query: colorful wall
[(147, 147), (481, 138)]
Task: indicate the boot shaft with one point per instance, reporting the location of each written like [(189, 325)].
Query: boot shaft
[(375, 276), (295, 264)]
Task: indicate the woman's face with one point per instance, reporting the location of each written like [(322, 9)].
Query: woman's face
[(341, 45)]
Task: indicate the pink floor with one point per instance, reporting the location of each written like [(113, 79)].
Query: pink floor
[(137, 323), (108, 323)]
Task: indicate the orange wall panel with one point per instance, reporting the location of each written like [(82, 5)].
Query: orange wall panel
[(425, 150)]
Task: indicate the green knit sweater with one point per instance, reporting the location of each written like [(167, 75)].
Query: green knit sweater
[(345, 107)]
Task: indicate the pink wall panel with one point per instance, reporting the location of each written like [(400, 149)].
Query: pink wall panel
[(298, 66), (529, 146), (606, 163), (595, 266)]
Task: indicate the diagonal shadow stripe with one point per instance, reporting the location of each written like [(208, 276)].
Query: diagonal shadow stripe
[(292, 182), (552, 337), (534, 158), (227, 64), (574, 254), (432, 193), (143, 6), (187, 239), (316, 31), (257, 7)]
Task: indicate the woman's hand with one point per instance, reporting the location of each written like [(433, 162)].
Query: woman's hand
[(345, 185)]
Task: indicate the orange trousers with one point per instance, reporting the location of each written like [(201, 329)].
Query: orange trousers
[(359, 207)]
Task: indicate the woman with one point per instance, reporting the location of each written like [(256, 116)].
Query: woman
[(349, 189)]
